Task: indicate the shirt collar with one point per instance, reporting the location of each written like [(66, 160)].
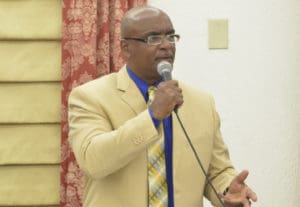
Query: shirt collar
[(141, 84)]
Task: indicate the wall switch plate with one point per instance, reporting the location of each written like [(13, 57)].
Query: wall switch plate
[(218, 34)]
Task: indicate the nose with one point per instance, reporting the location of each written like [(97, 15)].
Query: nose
[(165, 44)]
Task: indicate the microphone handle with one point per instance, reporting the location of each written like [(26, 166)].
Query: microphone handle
[(198, 159), (166, 75)]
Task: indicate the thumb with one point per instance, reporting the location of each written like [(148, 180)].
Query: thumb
[(242, 176)]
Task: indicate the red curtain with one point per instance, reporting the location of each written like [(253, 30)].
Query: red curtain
[(90, 48)]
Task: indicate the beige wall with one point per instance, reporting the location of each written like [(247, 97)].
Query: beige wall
[(30, 32)]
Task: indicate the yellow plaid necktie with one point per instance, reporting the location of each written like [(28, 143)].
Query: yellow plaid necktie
[(157, 183)]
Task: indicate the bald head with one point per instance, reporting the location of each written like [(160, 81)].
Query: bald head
[(138, 24), (136, 15)]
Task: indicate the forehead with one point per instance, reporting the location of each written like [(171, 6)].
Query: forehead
[(152, 23)]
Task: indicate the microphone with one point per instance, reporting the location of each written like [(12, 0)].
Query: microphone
[(164, 69)]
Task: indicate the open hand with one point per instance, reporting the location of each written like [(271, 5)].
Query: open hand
[(239, 194)]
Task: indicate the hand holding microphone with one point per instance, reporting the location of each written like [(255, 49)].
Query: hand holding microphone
[(168, 95)]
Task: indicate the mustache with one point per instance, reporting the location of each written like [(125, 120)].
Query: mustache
[(166, 55)]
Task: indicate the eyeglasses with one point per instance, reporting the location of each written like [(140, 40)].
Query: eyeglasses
[(156, 39)]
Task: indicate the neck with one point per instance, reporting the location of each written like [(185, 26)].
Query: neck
[(150, 80)]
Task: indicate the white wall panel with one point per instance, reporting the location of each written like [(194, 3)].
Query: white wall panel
[(255, 83)]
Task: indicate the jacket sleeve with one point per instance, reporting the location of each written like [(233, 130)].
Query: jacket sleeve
[(221, 170), (99, 149)]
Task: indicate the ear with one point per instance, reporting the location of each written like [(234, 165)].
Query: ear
[(125, 49)]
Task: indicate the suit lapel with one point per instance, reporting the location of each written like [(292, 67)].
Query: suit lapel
[(131, 94)]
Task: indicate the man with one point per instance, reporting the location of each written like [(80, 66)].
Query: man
[(113, 130)]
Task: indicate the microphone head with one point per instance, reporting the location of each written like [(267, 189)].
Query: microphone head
[(164, 67)]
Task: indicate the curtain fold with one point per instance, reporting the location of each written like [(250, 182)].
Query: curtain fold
[(90, 49)]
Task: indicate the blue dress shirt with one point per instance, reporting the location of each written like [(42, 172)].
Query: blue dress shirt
[(167, 123)]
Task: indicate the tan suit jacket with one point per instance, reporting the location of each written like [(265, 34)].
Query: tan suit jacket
[(110, 129)]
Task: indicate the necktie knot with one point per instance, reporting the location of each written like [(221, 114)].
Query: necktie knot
[(151, 94)]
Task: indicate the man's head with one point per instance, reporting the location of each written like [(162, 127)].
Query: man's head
[(142, 29)]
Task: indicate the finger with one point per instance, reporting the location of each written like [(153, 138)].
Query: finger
[(232, 201), (169, 83), (176, 83), (242, 176), (251, 195), (246, 203), (220, 195)]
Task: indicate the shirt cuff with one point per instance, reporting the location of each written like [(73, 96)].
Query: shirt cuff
[(155, 121)]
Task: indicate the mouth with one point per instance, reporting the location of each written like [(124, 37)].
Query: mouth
[(170, 59)]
